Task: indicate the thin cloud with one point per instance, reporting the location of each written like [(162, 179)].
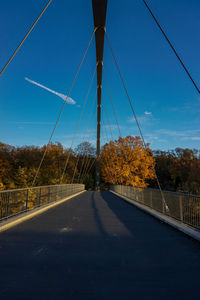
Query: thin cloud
[(151, 136), (192, 138), (33, 123), (176, 133), (148, 113), (190, 106), (62, 96), (143, 119), (28, 123), (112, 127), (146, 117)]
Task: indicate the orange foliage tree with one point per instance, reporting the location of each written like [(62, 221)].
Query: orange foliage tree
[(126, 161)]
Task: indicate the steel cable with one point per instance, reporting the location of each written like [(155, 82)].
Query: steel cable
[(111, 100), (87, 161), (84, 157), (172, 47), (110, 129), (84, 135), (27, 34), (75, 132), (134, 114), (107, 161), (52, 133), (116, 118)]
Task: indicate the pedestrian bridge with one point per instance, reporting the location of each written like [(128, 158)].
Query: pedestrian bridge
[(97, 246)]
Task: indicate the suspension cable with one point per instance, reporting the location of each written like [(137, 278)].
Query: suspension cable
[(88, 165), (85, 154), (75, 132), (111, 100), (94, 160), (172, 47), (52, 133), (111, 133), (108, 121), (126, 91), (84, 135), (27, 34), (107, 161), (135, 117), (87, 161), (116, 118)]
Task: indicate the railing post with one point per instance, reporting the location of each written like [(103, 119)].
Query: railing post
[(151, 202), (8, 205), (27, 194), (56, 193), (48, 194), (40, 196), (181, 208), (163, 207)]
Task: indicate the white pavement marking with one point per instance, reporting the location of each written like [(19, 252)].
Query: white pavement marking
[(38, 251), (65, 229)]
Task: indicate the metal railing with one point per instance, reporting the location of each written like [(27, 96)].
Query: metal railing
[(182, 207), (16, 201)]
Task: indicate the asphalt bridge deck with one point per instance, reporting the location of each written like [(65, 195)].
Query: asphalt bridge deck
[(97, 246)]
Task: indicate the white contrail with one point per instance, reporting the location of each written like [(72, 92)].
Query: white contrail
[(64, 97)]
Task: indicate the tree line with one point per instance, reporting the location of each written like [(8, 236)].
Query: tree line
[(178, 170), (123, 161), (18, 165), (126, 161)]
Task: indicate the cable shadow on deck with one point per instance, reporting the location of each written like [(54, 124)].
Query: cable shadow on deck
[(141, 225)]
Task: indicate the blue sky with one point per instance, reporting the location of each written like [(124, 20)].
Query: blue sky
[(165, 101)]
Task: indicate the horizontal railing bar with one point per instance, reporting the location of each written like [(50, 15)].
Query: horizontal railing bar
[(165, 191), (18, 201), (182, 207), (36, 187)]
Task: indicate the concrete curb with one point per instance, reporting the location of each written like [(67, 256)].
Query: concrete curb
[(168, 220), (13, 221)]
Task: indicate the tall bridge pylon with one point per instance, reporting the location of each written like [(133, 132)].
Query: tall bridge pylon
[(99, 13)]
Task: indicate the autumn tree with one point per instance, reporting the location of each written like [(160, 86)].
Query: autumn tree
[(18, 165), (126, 161), (7, 167), (178, 170)]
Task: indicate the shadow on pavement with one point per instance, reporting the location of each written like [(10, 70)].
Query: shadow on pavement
[(97, 246)]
